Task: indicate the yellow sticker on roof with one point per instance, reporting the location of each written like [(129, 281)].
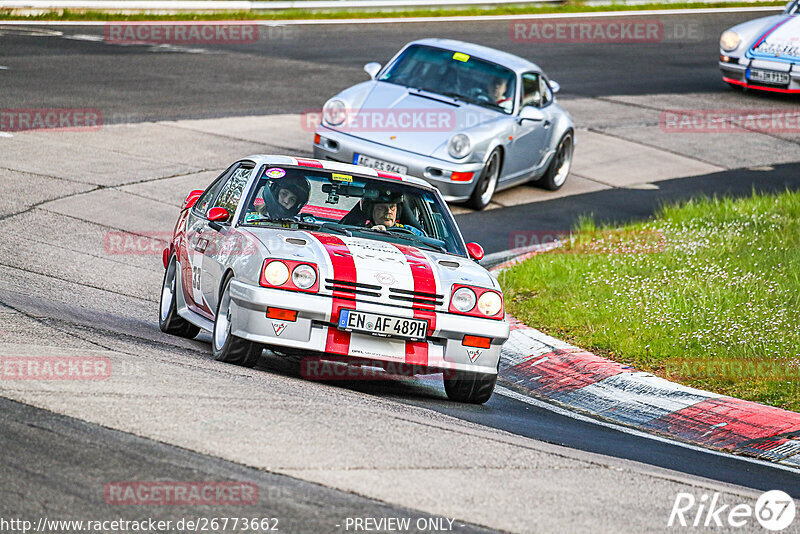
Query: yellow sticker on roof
[(458, 56), (342, 177)]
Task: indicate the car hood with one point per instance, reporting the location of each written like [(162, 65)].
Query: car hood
[(412, 120), (780, 38)]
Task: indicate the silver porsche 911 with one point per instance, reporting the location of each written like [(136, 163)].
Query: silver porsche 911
[(764, 53), (335, 262), (468, 119)]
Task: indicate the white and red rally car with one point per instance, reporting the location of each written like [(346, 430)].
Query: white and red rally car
[(308, 257)]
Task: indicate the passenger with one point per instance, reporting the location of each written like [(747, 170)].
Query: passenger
[(498, 87), (284, 197)]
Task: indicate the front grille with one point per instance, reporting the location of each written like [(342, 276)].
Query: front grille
[(416, 297), (352, 288), (406, 298)]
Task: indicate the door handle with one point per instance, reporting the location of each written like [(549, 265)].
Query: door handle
[(546, 125)]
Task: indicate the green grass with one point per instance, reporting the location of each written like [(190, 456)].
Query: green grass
[(566, 8), (704, 283)]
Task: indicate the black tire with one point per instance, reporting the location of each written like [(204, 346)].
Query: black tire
[(168, 319), (473, 388), (225, 346), (556, 174), (487, 182)]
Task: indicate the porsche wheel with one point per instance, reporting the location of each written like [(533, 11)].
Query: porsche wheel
[(472, 388), (225, 346), (168, 319), (556, 174), (487, 182)]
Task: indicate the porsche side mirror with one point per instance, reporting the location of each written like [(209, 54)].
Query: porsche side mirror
[(475, 251), (217, 217), (191, 199), (372, 69), (555, 86), (530, 113)]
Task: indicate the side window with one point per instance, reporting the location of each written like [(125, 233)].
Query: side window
[(531, 90), (231, 192), (204, 202)]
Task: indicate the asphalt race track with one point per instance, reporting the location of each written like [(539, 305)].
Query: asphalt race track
[(320, 453)]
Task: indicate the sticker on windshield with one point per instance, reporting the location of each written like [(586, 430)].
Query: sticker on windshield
[(459, 56), (275, 172), (342, 177)]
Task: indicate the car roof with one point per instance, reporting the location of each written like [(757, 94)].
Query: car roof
[(269, 159), (515, 63)]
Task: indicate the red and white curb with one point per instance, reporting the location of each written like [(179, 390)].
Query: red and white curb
[(535, 364)]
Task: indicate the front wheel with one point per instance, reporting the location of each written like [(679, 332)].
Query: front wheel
[(168, 319), (487, 182), (465, 386), (225, 346), (559, 168)]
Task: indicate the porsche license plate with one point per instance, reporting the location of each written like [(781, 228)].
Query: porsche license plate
[(382, 325), (769, 76), (379, 164)]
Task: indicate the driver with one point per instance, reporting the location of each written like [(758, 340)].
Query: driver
[(498, 87), (384, 212), (284, 197)]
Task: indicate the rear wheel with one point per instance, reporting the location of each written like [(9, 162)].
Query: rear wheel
[(225, 346), (168, 319), (487, 182), (559, 168), (473, 388)]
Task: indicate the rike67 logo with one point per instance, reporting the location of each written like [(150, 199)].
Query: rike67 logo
[(774, 511)]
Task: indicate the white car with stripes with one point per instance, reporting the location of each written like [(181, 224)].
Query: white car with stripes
[(325, 261)]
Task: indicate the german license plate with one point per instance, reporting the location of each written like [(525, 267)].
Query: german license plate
[(382, 325), (379, 164), (769, 76)]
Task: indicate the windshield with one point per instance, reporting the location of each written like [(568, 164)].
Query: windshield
[(352, 205), (454, 74), (793, 8)]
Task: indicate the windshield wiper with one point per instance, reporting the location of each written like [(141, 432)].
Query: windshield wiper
[(305, 225), (414, 238)]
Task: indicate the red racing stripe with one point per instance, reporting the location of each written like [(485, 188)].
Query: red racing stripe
[(770, 31), (344, 268), (424, 281)]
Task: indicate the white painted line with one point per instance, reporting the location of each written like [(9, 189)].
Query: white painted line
[(3, 68), (5, 134), (228, 5), (633, 432), (397, 20)]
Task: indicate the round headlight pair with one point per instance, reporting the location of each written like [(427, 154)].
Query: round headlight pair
[(729, 41), (277, 273), (459, 146), (489, 304), (334, 112)]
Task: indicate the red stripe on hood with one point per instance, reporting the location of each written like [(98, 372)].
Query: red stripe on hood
[(344, 268), (424, 281)]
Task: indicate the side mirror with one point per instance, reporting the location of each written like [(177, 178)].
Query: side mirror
[(530, 113), (217, 217), (191, 199), (475, 251), (372, 69), (555, 86)]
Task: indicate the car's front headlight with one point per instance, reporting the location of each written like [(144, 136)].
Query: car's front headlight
[(459, 146), (463, 299), (276, 273), (729, 41), (304, 276), (334, 112), (490, 303)]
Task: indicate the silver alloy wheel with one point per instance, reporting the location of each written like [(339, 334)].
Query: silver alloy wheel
[(489, 178), (222, 325), (564, 161), (167, 292)]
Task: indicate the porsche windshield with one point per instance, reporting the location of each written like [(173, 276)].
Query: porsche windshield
[(345, 204), (793, 8), (454, 74)]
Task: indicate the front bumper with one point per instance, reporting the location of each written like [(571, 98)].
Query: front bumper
[(310, 331), (735, 71), (341, 147)]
